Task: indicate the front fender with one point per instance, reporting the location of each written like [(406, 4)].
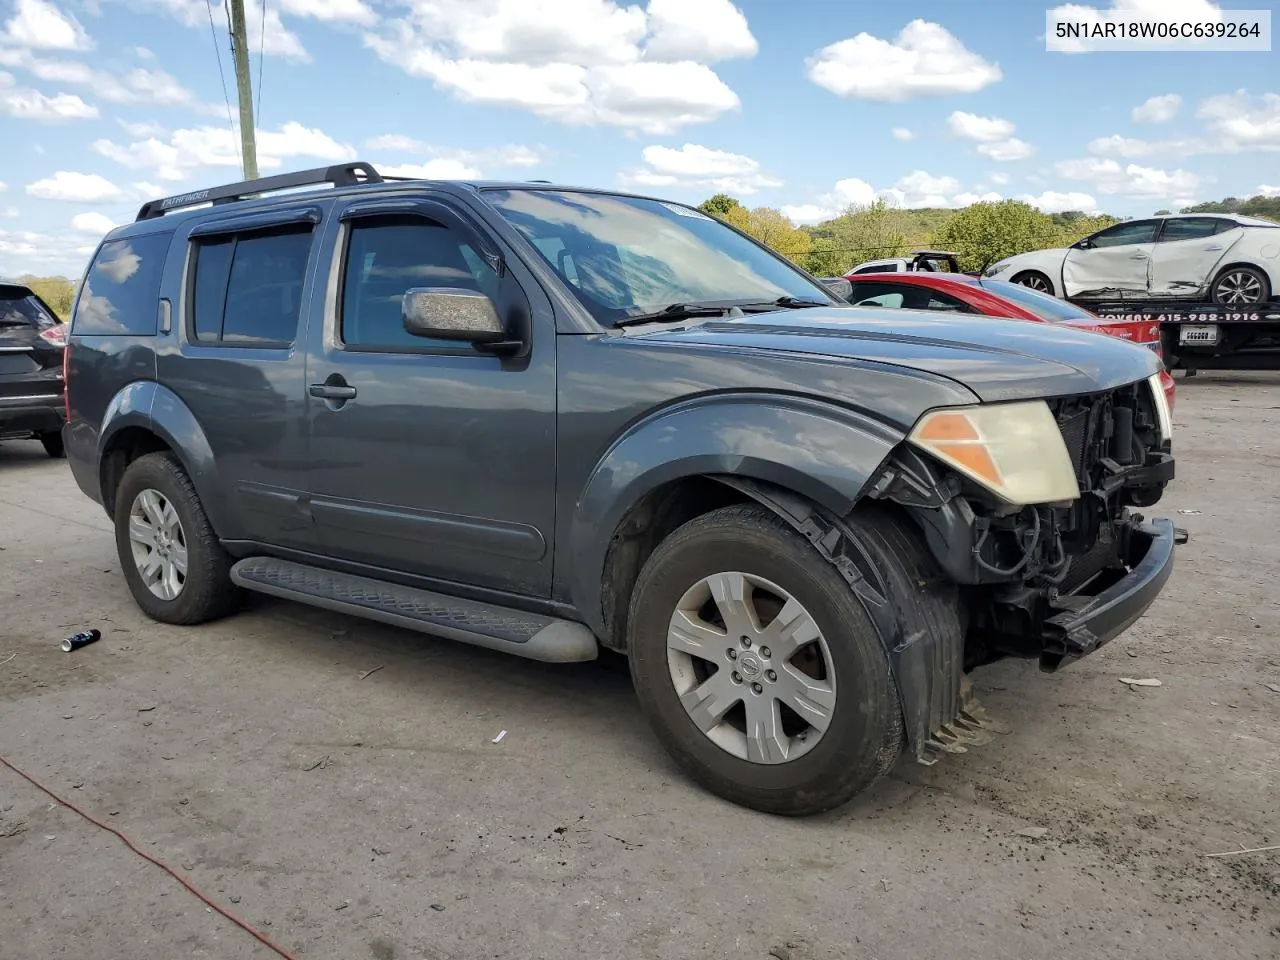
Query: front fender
[(819, 451), (156, 408)]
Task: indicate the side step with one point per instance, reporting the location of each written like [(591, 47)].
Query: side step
[(482, 624)]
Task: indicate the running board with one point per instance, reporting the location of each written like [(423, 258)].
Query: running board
[(527, 635)]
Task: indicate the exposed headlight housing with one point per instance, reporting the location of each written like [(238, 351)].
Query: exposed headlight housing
[(1014, 450), (995, 268), (1161, 400)]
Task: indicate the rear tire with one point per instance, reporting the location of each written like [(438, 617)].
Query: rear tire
[(176, 569), (52, 443), (1241, 286), (795, 775), (1034, 280)]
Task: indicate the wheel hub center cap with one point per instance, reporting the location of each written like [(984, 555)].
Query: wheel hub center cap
[(749, 666)]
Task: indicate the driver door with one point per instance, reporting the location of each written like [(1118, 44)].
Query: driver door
[(1115, 262)]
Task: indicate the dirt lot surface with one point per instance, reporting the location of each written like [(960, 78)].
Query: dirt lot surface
[(376, 818)]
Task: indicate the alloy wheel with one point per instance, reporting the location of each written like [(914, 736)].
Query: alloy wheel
[(751, 668), (158, 544), (1238, 286)]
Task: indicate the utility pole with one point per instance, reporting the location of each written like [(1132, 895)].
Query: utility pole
[(244, 90)]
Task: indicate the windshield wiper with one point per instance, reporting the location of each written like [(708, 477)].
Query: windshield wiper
[(787, 303), (676, 311)]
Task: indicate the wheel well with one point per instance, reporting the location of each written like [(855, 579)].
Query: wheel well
[(649, 521), (125, 447), (1242, 263)]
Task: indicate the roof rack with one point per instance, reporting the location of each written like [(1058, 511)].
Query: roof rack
[(339, 175)]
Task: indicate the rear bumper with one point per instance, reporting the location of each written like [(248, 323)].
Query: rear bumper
[(1087, 622), (31, 414)]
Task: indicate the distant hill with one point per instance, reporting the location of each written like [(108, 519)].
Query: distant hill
[(1258, 206)]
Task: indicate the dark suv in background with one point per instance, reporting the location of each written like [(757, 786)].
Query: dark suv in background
[(31, 344), (548, 420)]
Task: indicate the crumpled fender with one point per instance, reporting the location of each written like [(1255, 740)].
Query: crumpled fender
[(819, 451)]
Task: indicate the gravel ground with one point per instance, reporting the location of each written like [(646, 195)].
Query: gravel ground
[(376, 818)]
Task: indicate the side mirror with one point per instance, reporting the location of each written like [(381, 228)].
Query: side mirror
[(452, 313), (1085, 244), (838, 287)]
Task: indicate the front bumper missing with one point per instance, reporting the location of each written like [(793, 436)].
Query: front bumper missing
[(1087, 622)]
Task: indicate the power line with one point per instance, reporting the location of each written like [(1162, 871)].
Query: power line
[(262, 43), (213, 32)]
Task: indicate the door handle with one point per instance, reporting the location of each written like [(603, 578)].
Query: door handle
[(1214, 248), (332, 391), (1138, 256)]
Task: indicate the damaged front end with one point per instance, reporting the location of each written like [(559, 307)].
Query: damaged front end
[(1053, 581)]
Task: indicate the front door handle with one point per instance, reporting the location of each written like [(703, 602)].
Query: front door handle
[(333, 391)]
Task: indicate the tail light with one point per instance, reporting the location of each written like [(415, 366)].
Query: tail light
[(66, 380), (56, 334)]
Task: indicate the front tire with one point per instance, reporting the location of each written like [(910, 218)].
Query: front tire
[(1241, 286), (1034, 280), (758, 668), (176, 569)]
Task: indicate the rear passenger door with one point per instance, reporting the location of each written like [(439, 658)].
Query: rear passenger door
[(239, 371), (1187, 253), (438, 460)]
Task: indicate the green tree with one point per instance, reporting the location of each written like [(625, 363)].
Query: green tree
[(57, 292), (990, 231), (868, 232), (772, 228), (719, 205), (1162, 213)]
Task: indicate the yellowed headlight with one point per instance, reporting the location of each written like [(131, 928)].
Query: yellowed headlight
[(1015, 450)]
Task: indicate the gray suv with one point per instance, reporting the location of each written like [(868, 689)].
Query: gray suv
[(550, 420)]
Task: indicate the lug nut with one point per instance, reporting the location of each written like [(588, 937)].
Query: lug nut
[(756, 688), (736, 677), (732, 653), (746, 641), (770, 676), (766, 652)]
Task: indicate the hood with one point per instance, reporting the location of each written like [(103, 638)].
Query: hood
[(995, 358)]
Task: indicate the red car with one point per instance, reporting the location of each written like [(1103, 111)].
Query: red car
[(962, 293)]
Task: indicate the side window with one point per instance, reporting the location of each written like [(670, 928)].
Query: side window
[(386, 258), (1189, 228), (876, 268), (867, 294), (1137, 231), (246, 290), (122, 287), (944, 301)]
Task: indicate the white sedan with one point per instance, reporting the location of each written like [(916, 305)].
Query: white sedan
[(1199, 257)]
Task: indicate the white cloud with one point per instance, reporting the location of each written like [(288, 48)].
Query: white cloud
[(695, 166), (63, 252), (23, 103), (702, 30), (438, 169), (143, 53), (1267, 190), (501, 157), (138, 85), (1169, 11), (92, 223), (1109, 177), (276, 40), (917, 189), (9, 213), (993, 134), (40, 25), (903, 134), (3, 187), (999, 179), (923, 60), (1157, 109), (1005, 150), (983, 129), (78, 187), (1236, 117), (346, 11), (1051, 201), (173, 159), (574, 61)]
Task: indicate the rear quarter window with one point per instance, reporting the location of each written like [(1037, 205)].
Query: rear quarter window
[(121, 288)]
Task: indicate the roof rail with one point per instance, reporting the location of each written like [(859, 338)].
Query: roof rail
[(340, 175)]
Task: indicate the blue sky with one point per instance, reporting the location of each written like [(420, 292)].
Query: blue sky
[(806, 105)]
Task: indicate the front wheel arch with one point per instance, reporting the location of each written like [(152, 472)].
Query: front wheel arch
[(1042, 281), (1268, 290)]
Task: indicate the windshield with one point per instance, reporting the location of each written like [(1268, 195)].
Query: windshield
[(626, 257), (1041, 304)]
